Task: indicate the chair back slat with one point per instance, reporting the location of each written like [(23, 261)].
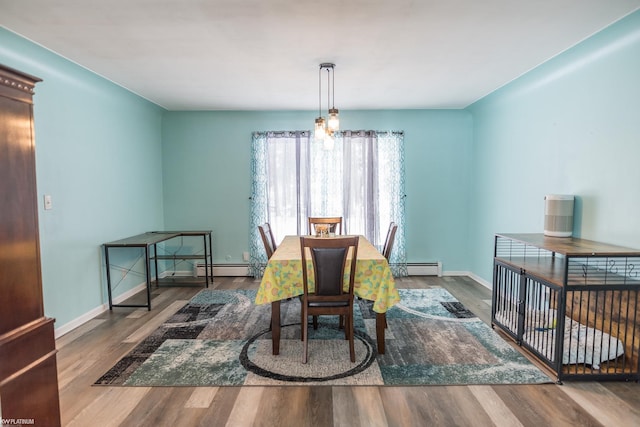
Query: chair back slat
[(267, 239), (332, 224), (388, 243)]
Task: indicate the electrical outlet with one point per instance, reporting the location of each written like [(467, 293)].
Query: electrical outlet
[(48, 203), (245, 256)]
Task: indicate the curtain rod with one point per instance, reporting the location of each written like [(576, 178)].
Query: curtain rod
[(289, 133)]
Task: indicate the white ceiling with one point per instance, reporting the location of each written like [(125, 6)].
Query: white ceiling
[(265, 54)]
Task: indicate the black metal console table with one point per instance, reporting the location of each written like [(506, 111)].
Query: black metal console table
[(148, 243)]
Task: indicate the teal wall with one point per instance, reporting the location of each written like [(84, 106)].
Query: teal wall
[(206, 170), (117, 165), (98, 155), (571, 126)]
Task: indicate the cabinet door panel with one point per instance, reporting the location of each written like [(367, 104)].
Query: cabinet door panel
[(21, 296)]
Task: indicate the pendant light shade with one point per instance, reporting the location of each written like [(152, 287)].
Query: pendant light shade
[(334, 121), (319, 132)]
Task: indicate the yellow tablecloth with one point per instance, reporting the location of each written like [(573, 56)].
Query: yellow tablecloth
[(283, 275)]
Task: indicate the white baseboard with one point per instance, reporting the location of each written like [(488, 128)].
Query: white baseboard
[(480, 280), (456, 273), (69, 326), (470, 275), (218, 270)]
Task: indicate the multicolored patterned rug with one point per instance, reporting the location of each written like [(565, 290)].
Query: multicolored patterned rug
[(221, 338)]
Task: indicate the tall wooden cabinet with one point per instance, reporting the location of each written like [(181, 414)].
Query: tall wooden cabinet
[(28, 372)]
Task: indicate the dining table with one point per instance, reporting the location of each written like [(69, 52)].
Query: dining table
[(282, 279)]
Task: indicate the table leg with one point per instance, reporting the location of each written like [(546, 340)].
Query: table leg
[(381, 324), (275, 327), (148, 274), (106, 260)]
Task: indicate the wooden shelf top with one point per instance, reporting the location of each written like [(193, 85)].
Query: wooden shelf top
[(144, 239), (153, 237), (571, 246)]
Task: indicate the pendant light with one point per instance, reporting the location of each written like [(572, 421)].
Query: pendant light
[(324, 129)]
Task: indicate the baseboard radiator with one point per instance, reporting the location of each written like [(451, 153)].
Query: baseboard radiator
[(425, 269), (232, 270), (229, 270)]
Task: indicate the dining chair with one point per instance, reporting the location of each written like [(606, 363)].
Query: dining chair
[(329, 260), (267, 239), (331, 224), (388, 243)]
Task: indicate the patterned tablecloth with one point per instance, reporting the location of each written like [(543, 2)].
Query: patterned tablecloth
[(283, 275)]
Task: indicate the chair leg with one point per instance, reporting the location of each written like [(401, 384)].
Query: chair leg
[(344, 323), (352, 351), (315, 322)]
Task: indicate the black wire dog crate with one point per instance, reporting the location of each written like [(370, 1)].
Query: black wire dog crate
[(572, 303)]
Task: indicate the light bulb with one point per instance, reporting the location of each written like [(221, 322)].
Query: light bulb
[(334, 121), (319, 132)]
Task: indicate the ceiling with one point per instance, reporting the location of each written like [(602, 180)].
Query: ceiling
[(265, 54)]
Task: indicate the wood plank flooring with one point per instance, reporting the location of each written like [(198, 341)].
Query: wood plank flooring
[(90, 350)]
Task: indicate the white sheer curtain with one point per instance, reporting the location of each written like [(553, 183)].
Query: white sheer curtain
[(287, 182), (360, 178), (361, 185)]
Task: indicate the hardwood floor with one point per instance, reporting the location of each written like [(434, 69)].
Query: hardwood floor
[(90, 350)]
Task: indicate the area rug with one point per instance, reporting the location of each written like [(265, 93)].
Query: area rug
[(221, 338)]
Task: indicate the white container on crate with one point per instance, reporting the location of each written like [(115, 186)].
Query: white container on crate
[(558, 215)]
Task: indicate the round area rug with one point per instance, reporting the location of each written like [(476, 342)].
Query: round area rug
[(328, 356)]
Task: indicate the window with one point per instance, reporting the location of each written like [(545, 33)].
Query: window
[(360, 178)]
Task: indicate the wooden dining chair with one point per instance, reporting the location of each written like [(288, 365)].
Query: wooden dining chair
[(329, 260), (267, 239), (388, 243), (332, 224)]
